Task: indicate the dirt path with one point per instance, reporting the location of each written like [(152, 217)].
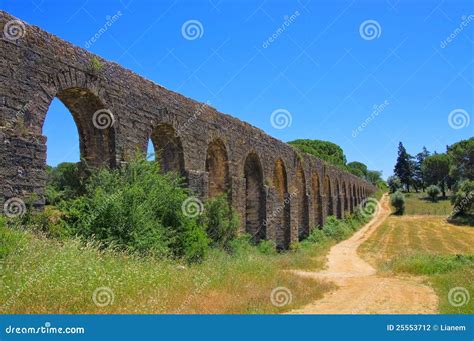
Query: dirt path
[(361, 290)]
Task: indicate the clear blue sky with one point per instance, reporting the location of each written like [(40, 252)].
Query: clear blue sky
[(320, 68)]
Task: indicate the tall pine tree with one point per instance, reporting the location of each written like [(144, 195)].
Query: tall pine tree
[(403, 167)]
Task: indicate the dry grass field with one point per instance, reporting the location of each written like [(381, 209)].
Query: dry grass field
[(426, 245)]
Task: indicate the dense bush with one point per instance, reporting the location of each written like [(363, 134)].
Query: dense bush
[(220, 220), (433, 192), (65, 181), (397, 200), (463, 199), (137, 208)]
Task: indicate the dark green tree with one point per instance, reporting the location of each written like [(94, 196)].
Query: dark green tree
[(462, 160), (403, 167), (324, 150), (418, 179), (436, 170)]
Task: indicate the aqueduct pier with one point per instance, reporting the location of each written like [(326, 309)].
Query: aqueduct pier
[(279, 193)]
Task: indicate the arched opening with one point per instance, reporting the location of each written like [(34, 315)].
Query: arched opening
[(345, 197), (303, 221), (95, 129), (338, 200), (255, 198), (282, 211), (354, 196), (168, 149), (317, 201), (217, 166), (328, 196)]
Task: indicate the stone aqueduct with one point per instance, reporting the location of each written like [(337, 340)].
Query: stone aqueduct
[(278, 192)]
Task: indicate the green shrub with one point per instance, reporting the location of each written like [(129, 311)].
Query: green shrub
[(463, 199), (336, 229), (49, 222), (397, 200), (10, 240), (220, 221), (267, 247), (137, 208), (433, 192), (317, 236)]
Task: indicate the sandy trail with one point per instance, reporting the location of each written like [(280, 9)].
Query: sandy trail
[(361, 290)]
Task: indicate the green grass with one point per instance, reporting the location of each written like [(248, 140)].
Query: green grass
[(446, 273), (419, 204), (43, 275)]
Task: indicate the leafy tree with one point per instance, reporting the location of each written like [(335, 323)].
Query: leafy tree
[(324, 150), (433, 192), (65, 181), (357, 168), (462, 160), (436, 170), (394, 183), (463, 199), (403, 167)]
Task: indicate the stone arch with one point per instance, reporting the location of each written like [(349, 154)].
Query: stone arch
[(255, 198), (344, 197), (168, 149), (338, 200), (217, 166), (328, 196), (282, 207), (354, 196), (317, 200), (94, 121), (302, 203)]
